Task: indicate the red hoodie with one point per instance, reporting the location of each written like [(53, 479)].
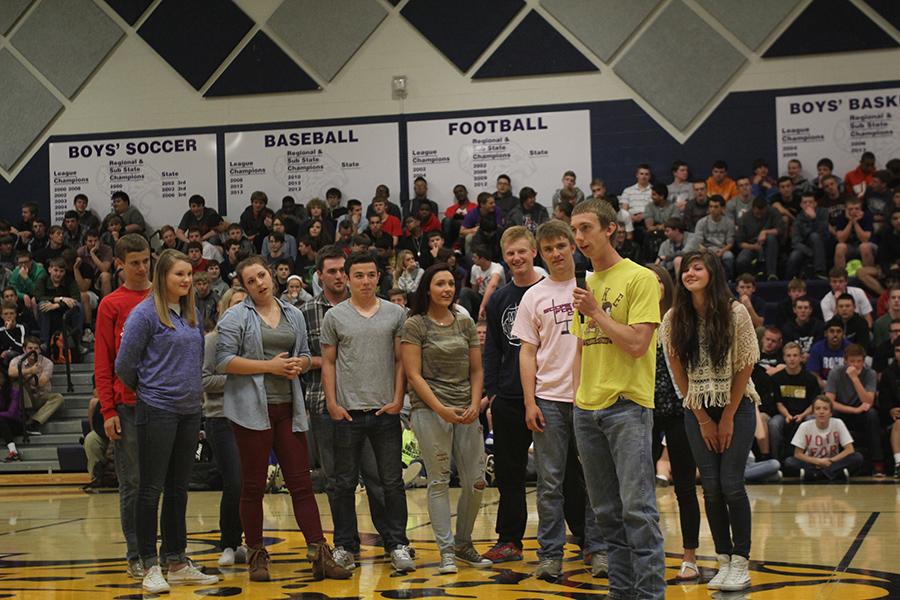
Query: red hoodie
[(111, 315)]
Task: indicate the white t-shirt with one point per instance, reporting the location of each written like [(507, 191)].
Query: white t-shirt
[(480, 278), (625, 217), (542, 319), (636, 197), (822, 443), (863, 306)]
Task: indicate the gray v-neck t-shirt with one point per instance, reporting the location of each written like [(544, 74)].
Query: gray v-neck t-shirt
[(365, 353), (275, 341)]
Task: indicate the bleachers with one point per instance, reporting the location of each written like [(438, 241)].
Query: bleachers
[(39, 454)]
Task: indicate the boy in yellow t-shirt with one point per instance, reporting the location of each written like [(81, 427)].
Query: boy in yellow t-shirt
[(614, 373)]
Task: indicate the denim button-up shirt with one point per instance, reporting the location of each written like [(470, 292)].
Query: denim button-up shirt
[(245, 395)]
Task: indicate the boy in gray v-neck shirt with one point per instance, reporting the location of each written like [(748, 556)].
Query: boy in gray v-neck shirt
[(365, 353)]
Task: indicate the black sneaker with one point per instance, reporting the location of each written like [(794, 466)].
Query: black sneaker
[(33, 429)]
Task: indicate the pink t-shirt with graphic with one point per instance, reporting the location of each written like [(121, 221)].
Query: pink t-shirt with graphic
[(543, 319)]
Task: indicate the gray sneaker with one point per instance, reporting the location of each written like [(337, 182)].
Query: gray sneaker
[(401, 560), (549, 569), (600, 564), (344, 558), (448, 564), (136, 568), (469, 555)]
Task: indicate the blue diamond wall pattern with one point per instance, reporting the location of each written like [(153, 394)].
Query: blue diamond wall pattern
[(261, 68), (534, 48), (195, 37), (828, 26), (462, 29)]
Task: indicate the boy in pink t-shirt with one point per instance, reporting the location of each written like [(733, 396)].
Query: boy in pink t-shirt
[(545, 365)]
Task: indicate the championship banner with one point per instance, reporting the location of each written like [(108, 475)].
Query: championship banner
[(159, 174), (534, 149), (840, 126), (304, 163)]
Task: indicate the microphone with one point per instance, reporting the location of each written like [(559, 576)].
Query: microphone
[(581, 282)]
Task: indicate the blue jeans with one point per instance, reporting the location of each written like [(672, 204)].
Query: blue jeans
[(128, 475), (167, 443), (722, 476), (228, 461), (561, 495), (851, 462), (620, 479), (322, 427), (386, 436)]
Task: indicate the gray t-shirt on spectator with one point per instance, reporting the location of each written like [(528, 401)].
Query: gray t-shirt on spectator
[(365, 353), (714, 235), (274, 342), (840, 385)]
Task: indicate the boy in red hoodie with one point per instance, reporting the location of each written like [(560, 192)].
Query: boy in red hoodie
[(117, 403)]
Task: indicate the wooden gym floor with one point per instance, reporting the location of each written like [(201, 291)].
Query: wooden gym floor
[(809, 542)]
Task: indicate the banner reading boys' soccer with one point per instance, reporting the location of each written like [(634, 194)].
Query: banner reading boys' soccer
[(305, 163), (159, 174), (840, 126), (534, 149)]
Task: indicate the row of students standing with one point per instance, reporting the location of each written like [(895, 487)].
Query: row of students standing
[(366, 343)]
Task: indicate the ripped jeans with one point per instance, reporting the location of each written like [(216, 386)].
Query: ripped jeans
[(438, 442)]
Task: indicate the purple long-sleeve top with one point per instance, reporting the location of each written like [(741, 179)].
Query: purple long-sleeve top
[(11, 410), (163, 365)]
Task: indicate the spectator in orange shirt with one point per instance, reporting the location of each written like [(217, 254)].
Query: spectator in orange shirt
[(720, 183), (858, 179)]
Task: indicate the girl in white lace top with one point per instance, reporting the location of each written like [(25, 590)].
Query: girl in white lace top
[(712, 349)]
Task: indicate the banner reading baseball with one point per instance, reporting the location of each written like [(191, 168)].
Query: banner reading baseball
[(305, 163)]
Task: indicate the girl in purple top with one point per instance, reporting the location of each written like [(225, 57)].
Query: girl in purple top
[(161, 359)]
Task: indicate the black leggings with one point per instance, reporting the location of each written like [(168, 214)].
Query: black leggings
[(8, 430), (684, 471)]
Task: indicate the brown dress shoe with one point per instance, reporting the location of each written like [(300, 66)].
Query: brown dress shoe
[(258, 564), (323, 565)]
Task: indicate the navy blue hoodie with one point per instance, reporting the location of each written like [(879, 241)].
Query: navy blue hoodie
[(501, 347)]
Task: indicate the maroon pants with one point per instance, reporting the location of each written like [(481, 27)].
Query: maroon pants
[(293, 457)]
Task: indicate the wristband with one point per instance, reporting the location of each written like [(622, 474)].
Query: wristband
[(704, 422)]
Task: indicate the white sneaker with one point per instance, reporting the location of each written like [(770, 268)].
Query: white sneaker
[(154, 582), (240, 555), (448, 564), (344, 558), (401, 560), (724, 567), (189, 574), (227, 558), (738, 575)]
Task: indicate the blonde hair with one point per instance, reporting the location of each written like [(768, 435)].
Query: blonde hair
[(164, 264), (398, 263), (225, 301), (515, 233)]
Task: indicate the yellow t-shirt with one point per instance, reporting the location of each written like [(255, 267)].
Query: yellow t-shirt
[(630, 294)]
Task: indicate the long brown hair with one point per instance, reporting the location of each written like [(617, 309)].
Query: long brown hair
[(166, 261), (665, 301), (718, 318)]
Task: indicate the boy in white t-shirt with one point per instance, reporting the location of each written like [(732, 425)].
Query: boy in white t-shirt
[(823, 448), (486, 277), (545, 366)]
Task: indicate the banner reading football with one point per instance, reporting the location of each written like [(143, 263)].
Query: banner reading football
[(534, 149), (159, 174), (305, 163), (839, 126)]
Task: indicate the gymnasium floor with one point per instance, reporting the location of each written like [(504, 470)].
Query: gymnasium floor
[(809, 542)]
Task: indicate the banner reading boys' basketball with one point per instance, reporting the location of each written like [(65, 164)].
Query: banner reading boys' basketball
[(159, 174), (534, 149), (840, 126), (305, 163)]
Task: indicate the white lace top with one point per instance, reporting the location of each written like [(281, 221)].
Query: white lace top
[(712, 387)]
